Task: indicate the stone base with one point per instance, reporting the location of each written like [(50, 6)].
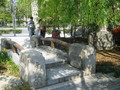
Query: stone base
[(32, 68), (83, 57)]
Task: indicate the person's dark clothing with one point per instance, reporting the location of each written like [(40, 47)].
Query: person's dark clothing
[(43, 30), (31, 28), (56, 35)]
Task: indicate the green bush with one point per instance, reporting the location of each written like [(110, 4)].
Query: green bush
[(16, 30), (12, 68), (108, 69), (11, 30), (5, 31)]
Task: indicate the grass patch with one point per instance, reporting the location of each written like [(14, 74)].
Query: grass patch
[(8, 66), (12, 68)]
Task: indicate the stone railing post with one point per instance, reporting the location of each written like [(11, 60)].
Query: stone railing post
[(5, 44), (35, 41), (32, 68), (83, 57)]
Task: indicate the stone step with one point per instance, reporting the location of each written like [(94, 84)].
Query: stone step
[(53, 57), (62, 73), (55, 62)]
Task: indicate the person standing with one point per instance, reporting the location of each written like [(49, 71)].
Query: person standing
[(31, 27), (41, 29), (56, 34)]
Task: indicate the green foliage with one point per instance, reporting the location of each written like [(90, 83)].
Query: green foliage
[(4, 57), (67, 30), (2, 3), (11, 30), (84, 12), (16, 30), (12, 68), (5, 16)]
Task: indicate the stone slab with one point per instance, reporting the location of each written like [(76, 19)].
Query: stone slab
[(53, 57), (62, 73)]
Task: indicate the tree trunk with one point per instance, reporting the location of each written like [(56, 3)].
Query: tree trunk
[(34, 7), (74, 30), (64, 31), (71, 31)]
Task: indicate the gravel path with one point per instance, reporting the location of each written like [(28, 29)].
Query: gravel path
[(8, 81)]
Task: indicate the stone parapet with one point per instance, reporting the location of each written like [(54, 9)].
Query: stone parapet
[(83, 57), (32, 68)]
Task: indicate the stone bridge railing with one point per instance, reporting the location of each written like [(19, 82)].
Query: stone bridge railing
[(13, 49), (37, 41), (34, 62)]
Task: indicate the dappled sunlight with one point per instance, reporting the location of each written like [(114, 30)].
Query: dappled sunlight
[(108, 62), (61, 72), (111, 56)]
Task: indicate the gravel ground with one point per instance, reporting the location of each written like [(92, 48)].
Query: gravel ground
[(9, 81)]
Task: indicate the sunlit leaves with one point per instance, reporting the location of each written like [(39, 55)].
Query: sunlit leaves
[(84, 12)]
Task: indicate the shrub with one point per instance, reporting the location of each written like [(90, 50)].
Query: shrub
[(16, 30), (5, 31), (11, 30)]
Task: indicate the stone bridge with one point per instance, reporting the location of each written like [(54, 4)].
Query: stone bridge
[(42, 65)]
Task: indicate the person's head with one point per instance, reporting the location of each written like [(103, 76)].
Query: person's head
[(31, 18)]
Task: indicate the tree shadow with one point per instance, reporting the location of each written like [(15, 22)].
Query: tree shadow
[(108, 67), (111, 53)]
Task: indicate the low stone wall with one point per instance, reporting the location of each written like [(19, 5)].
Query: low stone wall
[(83, 57), (32, 68)]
